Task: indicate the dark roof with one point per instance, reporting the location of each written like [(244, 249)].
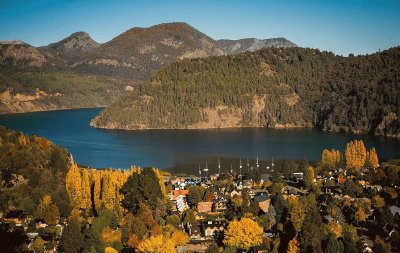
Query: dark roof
[(15, 214), (261, 197)]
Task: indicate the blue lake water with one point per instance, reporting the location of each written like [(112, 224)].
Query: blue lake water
[(165, 148)]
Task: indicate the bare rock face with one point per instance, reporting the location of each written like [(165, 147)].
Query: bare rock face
[(389, 126), (252, 44), (20, 55)]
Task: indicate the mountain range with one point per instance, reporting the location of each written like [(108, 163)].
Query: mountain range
[(116, 65)]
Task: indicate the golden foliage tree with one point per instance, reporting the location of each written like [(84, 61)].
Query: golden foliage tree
[(86, 196), (335, 228), (377, 201), (157, 244), (73, 183), (293, 246), (110, 235), (330, 158), (356, 154), (161, 182), (110, 250), (96, 178), (296, 212), (243, 234), (373, 158), (48, 211), (309, 177), (179, 238)]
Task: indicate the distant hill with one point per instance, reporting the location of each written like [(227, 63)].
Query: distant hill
[(139, 52), (252, 44), (119, 64), (78, 42), (272, 87), (19, 55)]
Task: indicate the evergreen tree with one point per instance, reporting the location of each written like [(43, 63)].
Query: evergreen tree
[(72, 239), (311, 233), (334, 245)]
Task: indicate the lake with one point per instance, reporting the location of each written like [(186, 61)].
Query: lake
[(166, 148)]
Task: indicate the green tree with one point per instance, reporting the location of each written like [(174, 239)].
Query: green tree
[(72, 239), (141, 188), (195, 195), (312, 232), (381, 246), (334, 245)]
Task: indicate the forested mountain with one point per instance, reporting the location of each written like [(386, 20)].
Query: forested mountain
[(272, 87), (252, 44), (118, 64)]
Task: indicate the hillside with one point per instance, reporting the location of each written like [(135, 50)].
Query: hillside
[(34, 90), (252, 44), (30, 167), (272, 87)]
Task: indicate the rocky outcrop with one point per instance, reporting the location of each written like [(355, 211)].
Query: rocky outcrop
[(252, 44)]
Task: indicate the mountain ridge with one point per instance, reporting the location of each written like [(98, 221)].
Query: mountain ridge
[(271, 87)]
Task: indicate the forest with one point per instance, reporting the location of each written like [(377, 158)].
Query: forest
[(272, 87)]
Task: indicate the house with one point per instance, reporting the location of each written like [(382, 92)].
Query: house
[(395, 210), (193, 230), (220, 206), (213, 228), (176, 193), (204, 207), (181, 204), (263, 201), (298, 175), (233, 193), (290, 190)]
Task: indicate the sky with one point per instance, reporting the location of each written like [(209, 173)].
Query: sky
[(340, 26)]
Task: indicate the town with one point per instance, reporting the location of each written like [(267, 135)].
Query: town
[(347, 202)]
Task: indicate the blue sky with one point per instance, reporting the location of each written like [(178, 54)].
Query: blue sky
[(341, 26)]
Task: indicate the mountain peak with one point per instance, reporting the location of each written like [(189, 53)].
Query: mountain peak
[(76, 42)]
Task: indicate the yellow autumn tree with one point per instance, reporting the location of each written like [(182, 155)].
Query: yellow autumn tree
[(48, 211), (161, 182), (377, 201), (330, 158), (96, 178), (373, 158), (179, 238), (293, 246), (335, 228), (86, 196), (110, 235), (356, 154), (243, 234), (110, 250), (73, 184), (157, 244), (296, 212)]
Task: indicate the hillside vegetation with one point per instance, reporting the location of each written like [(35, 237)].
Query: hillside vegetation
[(33, 90), (31, 167), (291, 87), (90, 70)]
